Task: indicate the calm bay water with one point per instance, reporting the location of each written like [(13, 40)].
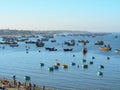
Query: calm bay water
[(15, 61)]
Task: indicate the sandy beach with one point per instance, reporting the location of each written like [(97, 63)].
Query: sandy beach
[(6, 84)]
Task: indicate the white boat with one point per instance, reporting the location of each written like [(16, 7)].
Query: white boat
[(117, 50)]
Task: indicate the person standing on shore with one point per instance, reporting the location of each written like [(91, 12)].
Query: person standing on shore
[(43, 87), (34, 86), (14, 77), (14, 80), (19, 84)]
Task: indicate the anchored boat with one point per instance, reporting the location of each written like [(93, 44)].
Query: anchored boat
[(106, 47)]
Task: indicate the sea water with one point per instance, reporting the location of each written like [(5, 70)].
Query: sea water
[(15, 61)]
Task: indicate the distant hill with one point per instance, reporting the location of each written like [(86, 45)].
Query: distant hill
[(8, 32), (29, 32), (16, 32)]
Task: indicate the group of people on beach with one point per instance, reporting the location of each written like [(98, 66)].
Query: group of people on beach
[(27, 86), (14, 84)]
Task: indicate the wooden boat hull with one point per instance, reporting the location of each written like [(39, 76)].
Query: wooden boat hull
[(104, 48)]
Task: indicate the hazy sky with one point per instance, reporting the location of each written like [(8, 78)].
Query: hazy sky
[(89, 15)]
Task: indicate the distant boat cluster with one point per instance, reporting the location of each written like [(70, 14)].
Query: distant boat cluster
[(39, 41), (13, 41)]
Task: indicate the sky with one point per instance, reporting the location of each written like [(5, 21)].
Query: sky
[(83, 15)]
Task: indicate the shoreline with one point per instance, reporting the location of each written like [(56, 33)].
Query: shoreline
[(7, 84)]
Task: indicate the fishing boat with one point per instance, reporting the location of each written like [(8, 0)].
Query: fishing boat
[(13, 45), (44, 39), (53, 40), (105, 48), (116, 36), (99, 42), (64, 66), (117, 50), (30, 42), (70, 42), (67, 49), (83, 41), (39, 44), (51, 48)]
